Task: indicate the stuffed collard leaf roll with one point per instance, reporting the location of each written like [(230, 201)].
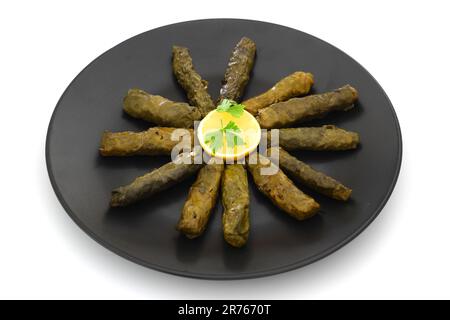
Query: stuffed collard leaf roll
[(280, 189), (327, 137), (154, 141), (236, 203), (295, 110), (155, 181), (192, 83), (296, 84), (238, 71), (306, 175), (159, 110), (201, 200)]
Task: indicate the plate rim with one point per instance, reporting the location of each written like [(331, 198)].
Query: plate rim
[(238, 275)]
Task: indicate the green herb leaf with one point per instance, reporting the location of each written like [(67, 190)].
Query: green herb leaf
[(215, 140), (232, 135), (232, 107), (232, 126), (233, 139), (236, 110), (224, 105)]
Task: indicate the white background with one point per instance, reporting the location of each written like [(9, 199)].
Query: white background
[(403, 254)]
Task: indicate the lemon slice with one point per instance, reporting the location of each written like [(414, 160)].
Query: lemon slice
[(249, 134)]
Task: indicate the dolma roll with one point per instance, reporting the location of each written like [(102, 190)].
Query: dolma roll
[(201, 200), (281, 190), (159, 110), (306, 175), (295, 110), (326, 137), (155, 181), (294, 85), (235, 193), (154, 141), (238, 71), (236, 203), (195, 87)]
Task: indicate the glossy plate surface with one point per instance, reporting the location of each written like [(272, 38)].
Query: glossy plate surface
[(145, 233)]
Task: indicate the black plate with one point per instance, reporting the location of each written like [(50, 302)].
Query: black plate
[(145, 233)]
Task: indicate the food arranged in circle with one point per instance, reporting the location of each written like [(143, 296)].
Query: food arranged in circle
[(229, 133)]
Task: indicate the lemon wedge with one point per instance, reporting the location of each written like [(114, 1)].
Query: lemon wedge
[(238, 136)]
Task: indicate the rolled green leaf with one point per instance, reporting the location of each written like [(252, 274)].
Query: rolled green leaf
[(296, 110), (238, 71), (328, 137), (154, 141), (159, 110), (281, 190), (236, 204), (296, 84), (306, 175), (200, 201), (155, 181), (192, 83)]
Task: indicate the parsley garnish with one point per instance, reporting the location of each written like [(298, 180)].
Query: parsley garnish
[(232, 107), (215, 140), (232, 137), (232, 134)]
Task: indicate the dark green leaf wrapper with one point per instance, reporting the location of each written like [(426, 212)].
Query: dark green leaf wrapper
[(154, 141), (296, 110), (238, 71), (296, 84), (200, 201), (192, 83), (282, 191), (306, 175), (324, 138), (236, 203), (159, 110), (155, 181)]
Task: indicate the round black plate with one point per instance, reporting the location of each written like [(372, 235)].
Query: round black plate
[(145, 233)]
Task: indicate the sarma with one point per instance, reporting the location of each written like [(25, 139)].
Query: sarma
[(326, 137), (294, 85), (304, 174), (155, 181), (238, 71), (201, 200), (159, 110), (154, 141), (285, 114), (190, 80), (281, 190), (236, 203)]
